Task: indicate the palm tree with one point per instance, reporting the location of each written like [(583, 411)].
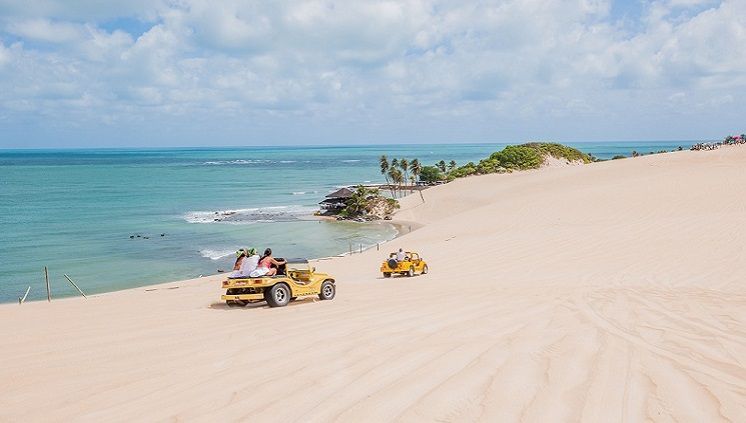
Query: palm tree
[(358, 202), (442, 166), (416, 168), (404, 165), (394, 165), (451, 165), (384, 163), (396, 176)]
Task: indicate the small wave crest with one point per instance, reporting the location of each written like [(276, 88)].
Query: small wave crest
[(216, 254), (251, 215), (240, 162), (234, 162)]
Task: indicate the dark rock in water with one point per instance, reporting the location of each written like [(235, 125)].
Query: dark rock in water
[(221, 271), (138, 236), (216, 220), (132, 237), (145, 237), (163, 234)]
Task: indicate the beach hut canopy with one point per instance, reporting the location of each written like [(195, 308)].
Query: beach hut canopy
[(341, 193)]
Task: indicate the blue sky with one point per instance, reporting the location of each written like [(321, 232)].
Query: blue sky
[(195, 72)]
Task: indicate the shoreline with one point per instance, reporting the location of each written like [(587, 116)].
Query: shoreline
[(397, 225)]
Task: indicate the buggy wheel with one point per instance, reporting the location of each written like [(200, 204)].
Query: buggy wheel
[(278, 295), (424, 270), (386, 274), (328, 290), (410, 272)]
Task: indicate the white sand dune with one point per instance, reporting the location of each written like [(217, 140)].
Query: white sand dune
[(609, 292)]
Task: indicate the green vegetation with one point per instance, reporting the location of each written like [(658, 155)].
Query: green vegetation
[(560, 151), (368, 203), (519, 157), (431, 174), (511, 158)]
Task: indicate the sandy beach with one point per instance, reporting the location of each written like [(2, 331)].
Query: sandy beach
[(614, 291)]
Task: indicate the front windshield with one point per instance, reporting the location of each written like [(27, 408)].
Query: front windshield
[(297, 266)]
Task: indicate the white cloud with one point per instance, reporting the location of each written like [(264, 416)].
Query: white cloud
[(4, 55), (45, 30), (492, 68)]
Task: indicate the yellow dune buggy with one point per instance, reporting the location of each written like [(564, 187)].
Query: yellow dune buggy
[(296, 278), (411, 265)]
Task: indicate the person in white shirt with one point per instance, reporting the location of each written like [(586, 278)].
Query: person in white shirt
[(248, 264), (400, 256)]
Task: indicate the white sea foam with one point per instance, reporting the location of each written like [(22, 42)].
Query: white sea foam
[(216, 254), (299, 193), (350, 161), (235, 162), (251, 215)]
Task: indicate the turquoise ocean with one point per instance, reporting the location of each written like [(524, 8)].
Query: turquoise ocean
[(120, 218)]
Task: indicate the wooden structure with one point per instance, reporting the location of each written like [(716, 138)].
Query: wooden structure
[(336, 201)]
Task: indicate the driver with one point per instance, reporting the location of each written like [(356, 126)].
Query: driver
[(400, 255)]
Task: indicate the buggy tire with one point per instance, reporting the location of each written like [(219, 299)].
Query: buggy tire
[(392, 263), (386, 274), (410, 272), (424, 270), (278, 295), (328, 291)]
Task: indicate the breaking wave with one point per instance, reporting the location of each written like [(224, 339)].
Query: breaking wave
[(216, 254)]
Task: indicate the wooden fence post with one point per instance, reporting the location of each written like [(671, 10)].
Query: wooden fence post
[(21, 300), (76, 286), (46, 278)]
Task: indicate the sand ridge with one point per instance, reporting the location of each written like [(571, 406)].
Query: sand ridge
[(607, 292)]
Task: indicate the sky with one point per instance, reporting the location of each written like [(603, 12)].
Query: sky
[(93, 73)]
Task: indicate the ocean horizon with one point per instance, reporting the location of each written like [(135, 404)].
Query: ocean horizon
[(118, 218)]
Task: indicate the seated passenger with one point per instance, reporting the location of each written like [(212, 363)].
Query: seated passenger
[(240, 256), (400, 256), (248, 265), (265, 265)]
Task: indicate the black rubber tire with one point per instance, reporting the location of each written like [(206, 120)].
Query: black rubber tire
[(386, 274), (328, 291), (424, 270), (410, 272), (278, 295), (392, 263)]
